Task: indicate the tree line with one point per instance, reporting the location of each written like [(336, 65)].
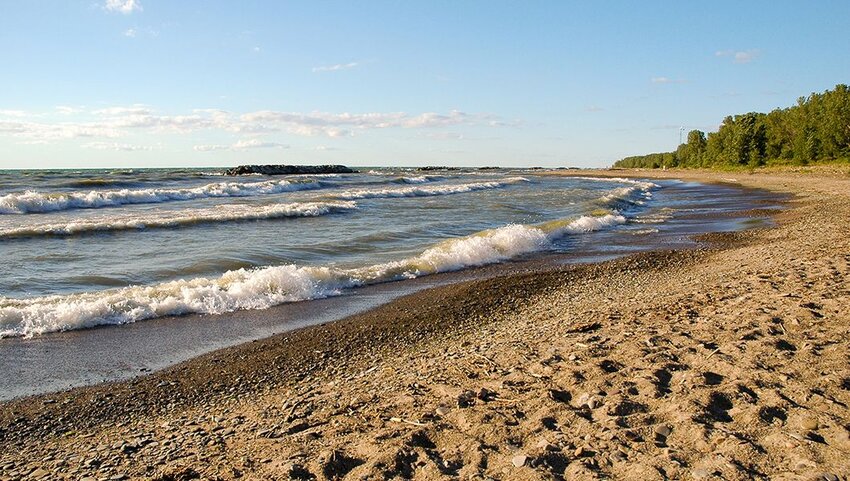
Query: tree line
[(816, 129)]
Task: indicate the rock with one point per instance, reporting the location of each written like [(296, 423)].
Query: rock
[(829, 477), (560, 396), (289, 169), (519, 460), (808, 423), (442, 411), (700, 473), (38, 473), (429, 168), (485, 394), (662, 430), (466, 399)]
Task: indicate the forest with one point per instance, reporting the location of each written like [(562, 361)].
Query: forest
[(815, 130)]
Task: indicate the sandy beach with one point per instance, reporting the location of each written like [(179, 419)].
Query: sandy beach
[(731, 361)]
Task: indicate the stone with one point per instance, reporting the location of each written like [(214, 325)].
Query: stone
[(560, 396), (808, 423), (442, 410), (289, 169), (519, 460), (700, 473), (663, 430), (466, 399)]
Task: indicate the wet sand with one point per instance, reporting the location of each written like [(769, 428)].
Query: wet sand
[(725, 362)]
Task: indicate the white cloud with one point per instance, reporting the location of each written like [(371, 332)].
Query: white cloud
[(123, 6), (739, 56), (12, 113), (68, 110), (136, 109), (116, 146), (258, 144), (444, 136), (244, 144), (119, 121), (130, 32), (666, 80), (594, 108), (336, 67)]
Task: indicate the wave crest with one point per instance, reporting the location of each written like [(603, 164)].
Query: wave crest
[(427, 191), (225, 213), (264, 287), (40, 202)]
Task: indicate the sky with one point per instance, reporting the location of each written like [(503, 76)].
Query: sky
[(156, 83)]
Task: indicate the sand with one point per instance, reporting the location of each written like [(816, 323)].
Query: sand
[(731, 361)]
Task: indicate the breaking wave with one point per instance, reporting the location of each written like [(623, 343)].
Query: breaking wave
[(225, 213), (427, 191), (39, 202), (265, 287)]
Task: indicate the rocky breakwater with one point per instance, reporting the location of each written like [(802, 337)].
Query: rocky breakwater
[(289, 169)]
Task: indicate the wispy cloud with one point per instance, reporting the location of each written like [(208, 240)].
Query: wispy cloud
[(120, 121), (12, 113), (594, 108), (116, 146), (666, 80), (244, 144), (739, 56), (444, 136), (336, 67), (123, 6), (130, 32)]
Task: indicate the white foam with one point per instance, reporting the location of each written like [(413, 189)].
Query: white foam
[(265, 287), (426, 191), (36, 202), (420, 179), (223, 213)]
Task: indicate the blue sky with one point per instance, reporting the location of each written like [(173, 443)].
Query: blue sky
[(150, 83)]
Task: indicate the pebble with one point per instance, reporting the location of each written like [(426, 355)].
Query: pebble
[(700, 473), (442, 411), (663, 430), (466, 399), (808, 423), (519, 460)]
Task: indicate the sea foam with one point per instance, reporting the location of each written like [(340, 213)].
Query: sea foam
[(268, 286), (39, 202), (427, 191), (224, 213)]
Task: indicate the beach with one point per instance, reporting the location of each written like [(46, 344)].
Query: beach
[(725, 361)]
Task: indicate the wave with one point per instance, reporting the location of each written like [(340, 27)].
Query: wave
[(40, 202), (99, 182), (635, 193), (419, 179), (427, 191), (265, 287), (225, 213)]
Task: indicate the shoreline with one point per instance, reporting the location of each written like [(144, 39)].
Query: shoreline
[(59, 361), (356, 364)]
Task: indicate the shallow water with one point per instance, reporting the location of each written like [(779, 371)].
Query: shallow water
[(141, 245), (225, 266)]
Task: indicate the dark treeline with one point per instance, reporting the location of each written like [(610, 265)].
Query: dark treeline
[(817, 129)]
